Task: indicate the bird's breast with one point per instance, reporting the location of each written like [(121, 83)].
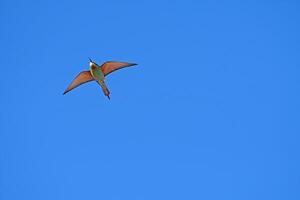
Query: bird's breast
[(97, 73)]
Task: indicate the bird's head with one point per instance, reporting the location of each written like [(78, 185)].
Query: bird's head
[(91, 62)]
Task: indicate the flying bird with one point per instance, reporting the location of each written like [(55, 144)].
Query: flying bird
[(97, 73)]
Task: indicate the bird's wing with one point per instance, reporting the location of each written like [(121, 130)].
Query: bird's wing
[(111, 66), (81, 78)]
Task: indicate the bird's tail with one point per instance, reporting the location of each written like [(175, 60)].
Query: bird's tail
[(104, 89)]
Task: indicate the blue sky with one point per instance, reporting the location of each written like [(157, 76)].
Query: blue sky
[(211, 111)]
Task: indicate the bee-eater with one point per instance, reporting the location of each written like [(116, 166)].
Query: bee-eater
[(97, 73)]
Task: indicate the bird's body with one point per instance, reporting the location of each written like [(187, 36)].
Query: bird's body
[(97, 73)]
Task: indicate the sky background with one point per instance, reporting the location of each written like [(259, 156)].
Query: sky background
[(211, 111)]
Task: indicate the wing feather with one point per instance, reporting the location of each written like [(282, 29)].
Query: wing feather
[(111, 66), (81, 78)]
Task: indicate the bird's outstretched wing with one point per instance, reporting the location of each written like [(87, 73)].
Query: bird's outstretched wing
[(81, 78), (111, 66)]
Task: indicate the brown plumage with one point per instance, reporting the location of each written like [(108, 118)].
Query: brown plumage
[(97, 73), (111, 66), (81, 78)]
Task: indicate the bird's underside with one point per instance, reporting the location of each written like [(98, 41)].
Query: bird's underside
[(97, 73)]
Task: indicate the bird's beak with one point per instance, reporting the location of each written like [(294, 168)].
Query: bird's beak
[(90, 60)]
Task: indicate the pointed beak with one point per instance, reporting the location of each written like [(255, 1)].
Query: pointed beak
[(90, 60)]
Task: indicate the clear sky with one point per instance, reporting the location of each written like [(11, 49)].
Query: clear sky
[(211, 111)]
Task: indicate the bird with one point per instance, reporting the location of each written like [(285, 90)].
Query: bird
[(97, 73)]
